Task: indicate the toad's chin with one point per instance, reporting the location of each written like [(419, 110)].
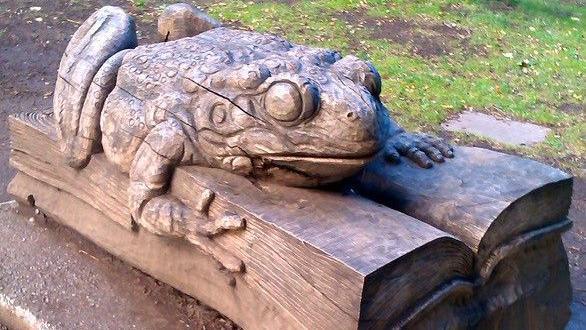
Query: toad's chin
[(300, 171)]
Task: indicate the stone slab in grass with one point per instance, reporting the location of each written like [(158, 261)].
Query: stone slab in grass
[(501, 130)]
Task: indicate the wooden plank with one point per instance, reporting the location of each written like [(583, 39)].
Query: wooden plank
[(313, 259), (321, 220), (175, 262)]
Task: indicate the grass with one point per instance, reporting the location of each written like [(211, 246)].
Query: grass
[(523, 59), (141, 4)]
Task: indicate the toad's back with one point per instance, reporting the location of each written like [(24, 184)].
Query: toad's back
[(149, 70)]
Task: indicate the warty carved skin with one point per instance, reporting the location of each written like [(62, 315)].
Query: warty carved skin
[(246, 102)]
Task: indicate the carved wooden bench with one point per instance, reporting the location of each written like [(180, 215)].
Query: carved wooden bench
[(473, 242)]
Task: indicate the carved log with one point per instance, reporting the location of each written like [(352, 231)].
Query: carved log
[(313, 259), (316, 259)]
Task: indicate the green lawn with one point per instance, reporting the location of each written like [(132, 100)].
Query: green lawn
[(522, 59)]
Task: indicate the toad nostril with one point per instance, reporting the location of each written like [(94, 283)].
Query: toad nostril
[(352, 116)]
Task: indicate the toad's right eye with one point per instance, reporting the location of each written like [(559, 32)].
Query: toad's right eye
[(283, 102)]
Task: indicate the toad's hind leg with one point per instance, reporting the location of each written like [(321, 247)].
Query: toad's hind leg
[(86, 140), (86, 74), (182, 20)]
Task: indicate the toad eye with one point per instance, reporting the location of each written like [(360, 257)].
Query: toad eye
[(283, 102), (372, 81)]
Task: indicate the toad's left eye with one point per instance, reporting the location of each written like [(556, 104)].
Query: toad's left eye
[(283, 102), (290, 100), (372, 80)]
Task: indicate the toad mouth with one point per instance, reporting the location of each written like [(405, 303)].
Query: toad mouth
[(320, 161), (323, 169)]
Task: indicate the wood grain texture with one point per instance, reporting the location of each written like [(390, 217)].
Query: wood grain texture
[(313, 259), (36, 131)]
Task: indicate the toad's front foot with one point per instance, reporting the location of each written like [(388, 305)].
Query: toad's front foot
[(165, 216), (423, 149)]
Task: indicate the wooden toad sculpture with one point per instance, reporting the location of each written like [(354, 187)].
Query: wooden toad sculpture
[(246, 102)]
